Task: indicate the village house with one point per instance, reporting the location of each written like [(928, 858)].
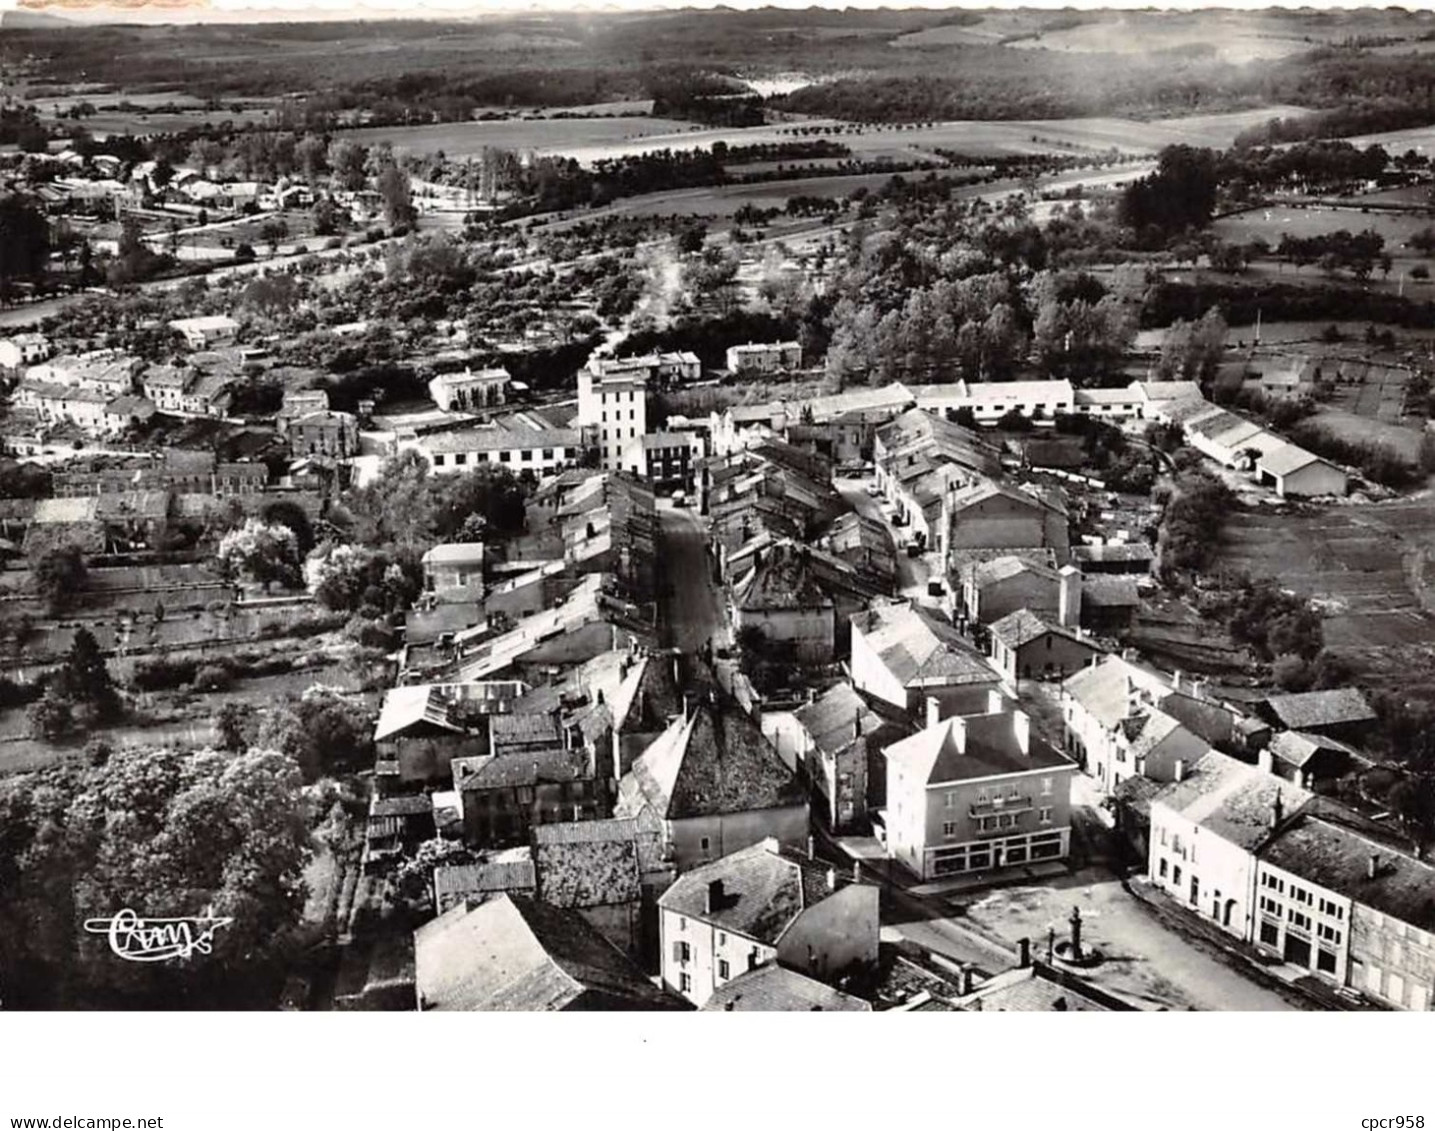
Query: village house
[(866, 545), (1114, 557), (717, 785), (764, 904), (20, 350), (206, 331), (998, 587), (976, 793), (1307, 759), (454, 566), (1205, 827), (517, 443), (664, 459), (611, 872), (500, 873), (470, 390), (612, 408), (832, 737), (517, 954), (903, 655), (334, 435), (1027, 645), (504, 796), (781, 600), (769, 357), (1097, 703), (992, 516), (990, 401)]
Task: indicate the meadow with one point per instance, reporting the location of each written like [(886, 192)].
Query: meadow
[(1270, 224)]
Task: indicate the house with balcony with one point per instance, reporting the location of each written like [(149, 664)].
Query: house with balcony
[(764, 905), (976, 793), (469, 391)]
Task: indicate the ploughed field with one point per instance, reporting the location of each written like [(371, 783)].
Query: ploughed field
[(1370, 568)]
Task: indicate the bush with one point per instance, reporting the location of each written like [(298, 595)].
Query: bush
[(16, 694), (213, 677), (163, 674), (51, 718)]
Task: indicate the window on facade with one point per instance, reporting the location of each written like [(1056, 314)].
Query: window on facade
[(1163, 869), (547, 453), (505, 457), (949, 828), (685, 983), (1298, 919), (1176, 874), (1270, 933), (722, 938), (1163, 838), (1046, 787), (438, 460), (1325, 961), (1044, 815), (1328, 933), (705, 844), (527, 455), (1331, 908), (724, 971), (461, 458)]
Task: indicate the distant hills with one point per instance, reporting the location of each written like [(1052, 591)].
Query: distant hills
[(26, 17)]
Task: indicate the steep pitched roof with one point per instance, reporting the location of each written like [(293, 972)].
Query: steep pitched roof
[(513, 953), (1019, 628), (1103, 689), (714, 761)]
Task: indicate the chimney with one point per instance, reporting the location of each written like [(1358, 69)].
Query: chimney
[(1178, 773), (1176, 680), (771, 844), (856, 871), (996, 701), (1023, 953), (535, 770), (857, 725), (1265, 760), (677, 673), (1069, 597), (812, 848), (1372, 867), (831, 879), (715, 894), (1277, 810), (968, 980), (1198, 688), (934, 711), (1021, 726)]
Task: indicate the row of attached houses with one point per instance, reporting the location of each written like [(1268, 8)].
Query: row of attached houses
[(1299, 878)]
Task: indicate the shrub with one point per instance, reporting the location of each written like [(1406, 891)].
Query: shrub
[(213, 677)]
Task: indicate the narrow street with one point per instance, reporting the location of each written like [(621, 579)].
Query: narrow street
[(690, 603), (912, 573)]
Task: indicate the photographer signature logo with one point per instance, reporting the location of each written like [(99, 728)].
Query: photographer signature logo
[(157, 940)]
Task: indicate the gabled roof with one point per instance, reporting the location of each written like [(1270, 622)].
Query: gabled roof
[(1338, 858), (1234, 800), (1115, 590), (1103, 689), (1114, 552), (715, 761), (837, 718), (1333, 707), (773, 988), (1018, 629), (1288, 459), (783, 580), (407, 706), (764, 889), (915, 645), (1296, 748), (455, 553), (513, 953), (1008, 566)]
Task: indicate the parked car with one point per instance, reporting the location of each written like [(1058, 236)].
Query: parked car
[(680, 498)]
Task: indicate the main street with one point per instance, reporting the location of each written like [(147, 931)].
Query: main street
[(690, 603)]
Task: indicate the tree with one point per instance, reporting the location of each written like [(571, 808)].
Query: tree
[(24, 241), (323, 731), (1193, 352), (413, 879), (171, 834), (51, 718), (271, 295), (348, 160), (85, 681), (273, 232), (59, 576), (267, 552), (393, 186), (231, 726)]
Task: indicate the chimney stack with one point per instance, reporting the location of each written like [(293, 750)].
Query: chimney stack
[(968, 980), (934, 711), (1069, 597), (1277, 810), (1265, 760), (715, 896), (1179, 772), (1176, 680), (812, 848), (857, 725), (856, 871), (1372, 867), (1021, 726), (1023, 953), (831, 879)]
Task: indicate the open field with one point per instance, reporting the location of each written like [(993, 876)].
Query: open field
[(1270, 224), (1371, 569), (592, 139), (549, 135), (1421, 139), (1373, 421), (1235, 37)]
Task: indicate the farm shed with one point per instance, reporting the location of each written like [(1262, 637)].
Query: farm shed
[(1297, 473)]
